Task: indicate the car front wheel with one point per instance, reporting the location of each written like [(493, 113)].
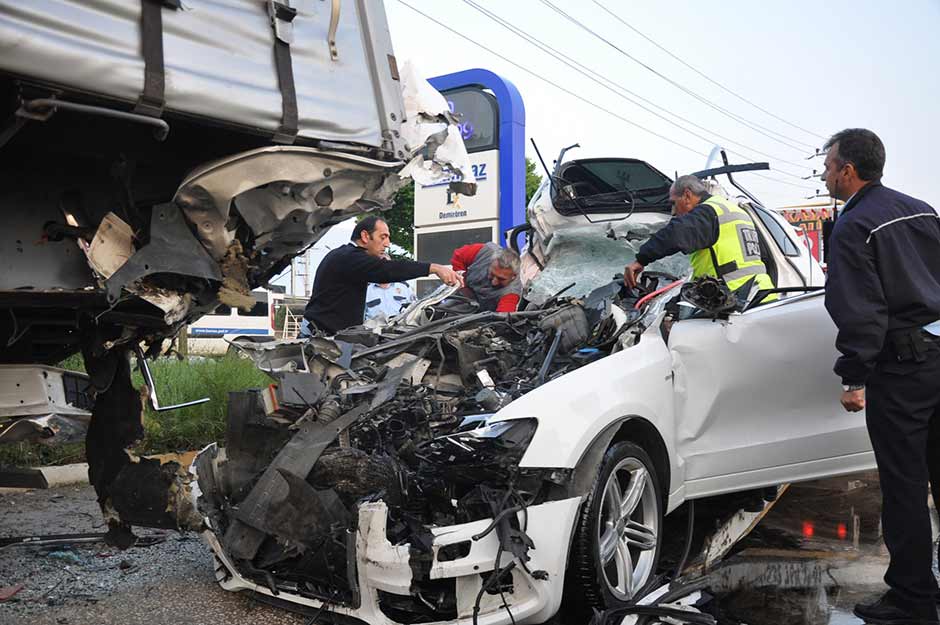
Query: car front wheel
[(617, 540)]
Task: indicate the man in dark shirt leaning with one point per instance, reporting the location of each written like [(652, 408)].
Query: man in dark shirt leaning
[(883, 293), (339, 288)]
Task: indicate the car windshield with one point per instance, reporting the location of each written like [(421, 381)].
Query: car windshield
[(588, 257)]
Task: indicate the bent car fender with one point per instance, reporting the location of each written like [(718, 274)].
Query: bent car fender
[(574, 409)]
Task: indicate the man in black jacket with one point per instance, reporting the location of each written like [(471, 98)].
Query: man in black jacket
[(338, 299), (883, 293)]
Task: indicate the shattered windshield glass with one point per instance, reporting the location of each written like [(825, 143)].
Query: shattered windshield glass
[(589, 259)]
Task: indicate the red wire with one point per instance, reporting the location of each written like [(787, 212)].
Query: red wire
[(647, 298)]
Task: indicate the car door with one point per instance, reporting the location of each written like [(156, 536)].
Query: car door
[(757, 402)]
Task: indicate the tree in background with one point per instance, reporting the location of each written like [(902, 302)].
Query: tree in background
[(532, 179), (401, 221), (401, 217)]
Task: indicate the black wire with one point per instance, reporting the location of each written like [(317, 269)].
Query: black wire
[(560, 56), (756, 127), (562, 89), (711, 80), (499, 517), (506, 605), (485, 585)]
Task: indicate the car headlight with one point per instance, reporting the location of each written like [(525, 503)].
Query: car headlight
[(480, 450)]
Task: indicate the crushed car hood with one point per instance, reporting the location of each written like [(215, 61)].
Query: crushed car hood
[(407, 415)]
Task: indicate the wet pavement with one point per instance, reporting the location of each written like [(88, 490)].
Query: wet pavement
[(815, 555)]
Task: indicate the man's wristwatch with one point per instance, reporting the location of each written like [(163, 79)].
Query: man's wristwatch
[(848, 388)]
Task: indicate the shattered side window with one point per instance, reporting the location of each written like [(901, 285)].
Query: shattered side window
[(590, 259)]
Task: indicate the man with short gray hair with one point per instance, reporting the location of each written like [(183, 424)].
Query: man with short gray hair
[(883, 294), (719, 235), (491, 275)]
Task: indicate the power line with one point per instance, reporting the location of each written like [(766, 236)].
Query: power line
[(792, 184), (752, 125), (711, 80), (618, 90), (563, 89)]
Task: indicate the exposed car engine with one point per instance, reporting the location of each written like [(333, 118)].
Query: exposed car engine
[(402, 416)]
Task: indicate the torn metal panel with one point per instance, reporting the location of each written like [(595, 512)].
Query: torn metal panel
[(175, 306), (417, 367), (386, 565), (235, 290), (111, 247), (297, 457), (733, 530), (51, 429), (430, 122), (40, 390), (420, 311), (300, 389), (43, 404), (395, 375), (205, 196), (276, 356), (250, 440), (172, 249)]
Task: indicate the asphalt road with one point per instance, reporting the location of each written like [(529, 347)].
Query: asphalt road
[(169, 582), (833, 523)]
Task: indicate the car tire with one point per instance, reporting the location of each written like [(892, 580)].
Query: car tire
[(617, 538)]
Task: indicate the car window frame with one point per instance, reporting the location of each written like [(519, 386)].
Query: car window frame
[(812, 291), (770, 227)]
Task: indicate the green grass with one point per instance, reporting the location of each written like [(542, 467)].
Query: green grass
[(175, 430)]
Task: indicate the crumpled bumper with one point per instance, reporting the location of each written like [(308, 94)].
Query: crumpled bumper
[(384, 567)]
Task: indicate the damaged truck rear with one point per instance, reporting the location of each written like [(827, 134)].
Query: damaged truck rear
[(161, 158)]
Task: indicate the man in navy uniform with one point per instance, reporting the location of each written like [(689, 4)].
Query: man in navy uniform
[(387, 299), (883, 293)]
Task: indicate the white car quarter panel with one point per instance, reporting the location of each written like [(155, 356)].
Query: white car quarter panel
[(757, 391), (574, 409)]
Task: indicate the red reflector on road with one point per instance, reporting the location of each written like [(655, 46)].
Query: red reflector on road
[(808, 529)]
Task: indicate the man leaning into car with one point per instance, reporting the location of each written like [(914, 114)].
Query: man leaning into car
[(720, 236), (883, 293), (338, 299), (491, 275)]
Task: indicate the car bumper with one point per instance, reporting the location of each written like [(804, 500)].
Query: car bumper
[(384, 567)]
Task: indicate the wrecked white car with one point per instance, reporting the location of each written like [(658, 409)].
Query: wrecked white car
[(160, 158), (497, 467)]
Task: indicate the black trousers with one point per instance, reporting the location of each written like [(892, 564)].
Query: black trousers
[(903, 418)]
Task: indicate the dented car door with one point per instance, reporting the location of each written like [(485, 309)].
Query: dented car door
[(757, 402)]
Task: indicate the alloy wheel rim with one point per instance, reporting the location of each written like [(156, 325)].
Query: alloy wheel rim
[(628, 528)]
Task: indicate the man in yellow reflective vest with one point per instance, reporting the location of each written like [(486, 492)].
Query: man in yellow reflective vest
[(718, 234)]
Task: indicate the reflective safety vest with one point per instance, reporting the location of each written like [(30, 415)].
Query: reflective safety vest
[(735, 256)]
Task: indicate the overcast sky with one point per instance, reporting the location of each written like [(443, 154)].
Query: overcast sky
[(820, 65)]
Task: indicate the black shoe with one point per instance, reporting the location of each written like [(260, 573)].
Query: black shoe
[(884, 611)]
